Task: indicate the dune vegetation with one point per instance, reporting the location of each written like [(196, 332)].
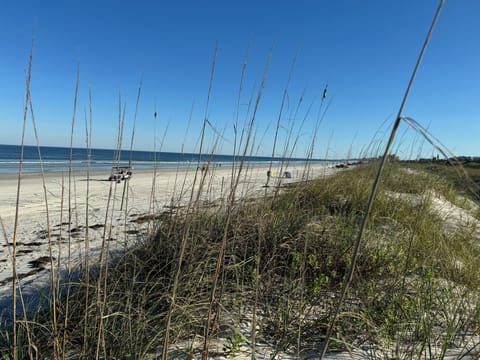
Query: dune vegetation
[(262, 276)]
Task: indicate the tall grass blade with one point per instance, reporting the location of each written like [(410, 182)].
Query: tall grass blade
[(17, 204)]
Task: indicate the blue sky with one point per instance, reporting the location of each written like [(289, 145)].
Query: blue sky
[(364, 50)]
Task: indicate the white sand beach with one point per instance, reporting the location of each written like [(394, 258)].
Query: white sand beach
[(74, 234)]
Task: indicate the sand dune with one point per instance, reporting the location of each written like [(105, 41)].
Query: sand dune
[(117, 212)]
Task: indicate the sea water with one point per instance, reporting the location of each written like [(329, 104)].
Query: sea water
[(61, 159)]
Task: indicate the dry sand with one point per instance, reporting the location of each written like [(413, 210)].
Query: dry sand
[(124, 220)]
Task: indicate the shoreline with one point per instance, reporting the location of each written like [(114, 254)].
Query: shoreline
[(169, 168)]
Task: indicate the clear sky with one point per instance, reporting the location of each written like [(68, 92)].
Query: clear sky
[(365, 51)]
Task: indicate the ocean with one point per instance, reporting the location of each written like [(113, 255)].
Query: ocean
[(57, 159)]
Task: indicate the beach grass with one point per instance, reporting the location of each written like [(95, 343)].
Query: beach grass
[(414, 292)]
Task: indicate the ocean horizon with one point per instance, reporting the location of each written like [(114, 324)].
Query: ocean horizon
[(57, 159)]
